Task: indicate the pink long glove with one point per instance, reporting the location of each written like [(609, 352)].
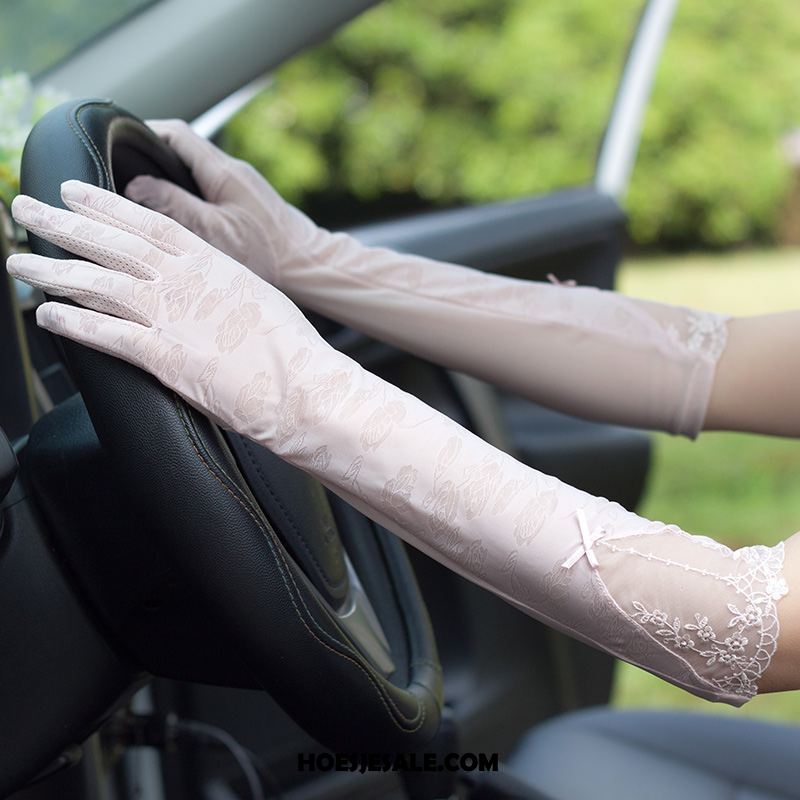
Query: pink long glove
[(683, 607), (593, 353)]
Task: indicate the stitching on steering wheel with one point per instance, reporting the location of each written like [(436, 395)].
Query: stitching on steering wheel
[(425, 662), (89, 143), (247, 446), (268, 535)]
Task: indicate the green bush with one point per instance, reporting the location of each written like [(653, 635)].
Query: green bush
[(711, 169), (460, 101)]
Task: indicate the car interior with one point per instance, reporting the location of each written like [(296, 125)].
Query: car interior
[(183, 613)]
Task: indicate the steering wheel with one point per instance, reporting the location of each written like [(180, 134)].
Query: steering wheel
[(339, 636)]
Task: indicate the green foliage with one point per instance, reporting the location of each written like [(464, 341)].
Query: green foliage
[(711, 167), (461, 101), (20, 107)]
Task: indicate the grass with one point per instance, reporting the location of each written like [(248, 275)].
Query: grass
[(740, 489)]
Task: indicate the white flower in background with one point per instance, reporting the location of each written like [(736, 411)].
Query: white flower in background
[(21, 105)]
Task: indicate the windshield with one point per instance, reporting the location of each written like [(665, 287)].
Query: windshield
[(37, 34)]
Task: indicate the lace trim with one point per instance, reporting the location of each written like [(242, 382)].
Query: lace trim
[(744, 649), (706, 333)]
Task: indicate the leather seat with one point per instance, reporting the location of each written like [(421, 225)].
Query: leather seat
[(601, 754)]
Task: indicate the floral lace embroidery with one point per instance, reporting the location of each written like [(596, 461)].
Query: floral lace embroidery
[(706, 333), (743, 649)]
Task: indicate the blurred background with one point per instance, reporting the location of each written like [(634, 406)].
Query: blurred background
[(439, 103)]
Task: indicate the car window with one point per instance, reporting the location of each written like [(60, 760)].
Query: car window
[(440, 102), (37, 34)]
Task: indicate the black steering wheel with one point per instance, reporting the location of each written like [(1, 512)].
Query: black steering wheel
[(239, 574)]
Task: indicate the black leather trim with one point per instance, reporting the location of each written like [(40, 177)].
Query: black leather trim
[(182, 478)]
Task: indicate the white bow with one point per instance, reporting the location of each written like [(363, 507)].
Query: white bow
[(588, 542)]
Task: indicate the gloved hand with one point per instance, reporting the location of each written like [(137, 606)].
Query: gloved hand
[(684, 607), (241, 215), (167, 301), (596, 354)]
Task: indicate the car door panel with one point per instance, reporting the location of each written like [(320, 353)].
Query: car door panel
[(579, 231)]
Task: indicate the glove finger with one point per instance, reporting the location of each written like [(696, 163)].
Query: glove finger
[(143, 347), (89, 238), (173, 201), (205, 160), (117, 337), (98, 288), (119, 212)]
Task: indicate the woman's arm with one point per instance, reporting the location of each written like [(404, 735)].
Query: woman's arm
[(757, 384), (784, 671), (592, 353), (684, 607)]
